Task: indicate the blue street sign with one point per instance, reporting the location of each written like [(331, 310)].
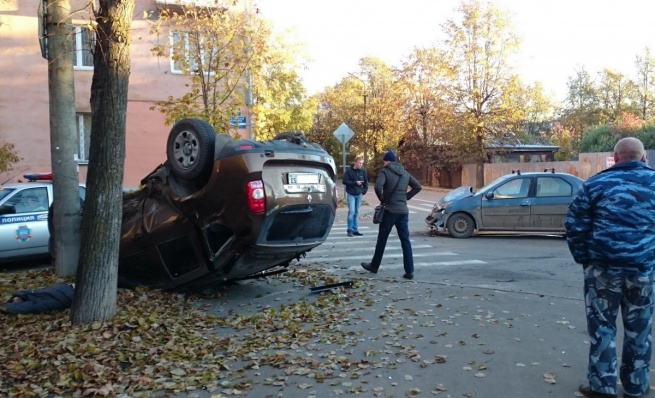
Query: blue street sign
[(239, 121)]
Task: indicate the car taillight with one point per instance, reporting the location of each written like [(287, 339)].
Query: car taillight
[(256, 197)]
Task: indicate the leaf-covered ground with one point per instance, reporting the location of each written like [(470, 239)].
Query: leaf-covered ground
[(384, 337), (158, 341)]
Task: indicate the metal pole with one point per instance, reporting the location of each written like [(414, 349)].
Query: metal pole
[(365, 132), (343, 141), (249, 123)]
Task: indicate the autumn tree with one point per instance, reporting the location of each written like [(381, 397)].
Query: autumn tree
[(280, 102), (369, 101), (97, 273), (341, 103), (482, 41), (8, 157), (644, 84), (217, 46), (424, 78), (384, 108), (582, 104), (615, 93), (568, 141), (539, 111)]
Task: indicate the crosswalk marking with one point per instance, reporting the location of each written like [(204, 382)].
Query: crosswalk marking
[(386, 256), (421, 267), (422, 209), (450, 263), (346, 252), (431, 202), (346, 240)]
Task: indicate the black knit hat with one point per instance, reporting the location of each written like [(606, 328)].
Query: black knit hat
[(390, 157)]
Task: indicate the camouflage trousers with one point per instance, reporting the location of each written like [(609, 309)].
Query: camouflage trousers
[(605, 291)]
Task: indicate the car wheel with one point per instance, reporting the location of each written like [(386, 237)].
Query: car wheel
[(190, 149), (460, 225)]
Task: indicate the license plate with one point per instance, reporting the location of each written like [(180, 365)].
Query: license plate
[(303, 178)]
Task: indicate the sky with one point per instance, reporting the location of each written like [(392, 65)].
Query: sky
[(559, 36)]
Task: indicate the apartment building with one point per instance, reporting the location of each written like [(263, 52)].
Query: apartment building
[(24, 101)]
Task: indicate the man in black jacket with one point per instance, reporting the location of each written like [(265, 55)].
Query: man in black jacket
[(356, 182), (392, 175)]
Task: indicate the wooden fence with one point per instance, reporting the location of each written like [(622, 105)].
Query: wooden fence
[(587, 165)]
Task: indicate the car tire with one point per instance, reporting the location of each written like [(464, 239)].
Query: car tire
[(190, 149), (460, 225)]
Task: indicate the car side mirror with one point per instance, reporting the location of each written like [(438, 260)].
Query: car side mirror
[(489, 195), (7, 209)]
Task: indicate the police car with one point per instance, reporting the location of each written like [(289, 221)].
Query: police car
[(24, 217)]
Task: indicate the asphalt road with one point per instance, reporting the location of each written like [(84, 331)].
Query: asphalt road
[(538, 264), (488, 316)]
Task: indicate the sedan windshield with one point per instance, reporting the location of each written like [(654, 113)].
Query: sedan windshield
[(4, 192)]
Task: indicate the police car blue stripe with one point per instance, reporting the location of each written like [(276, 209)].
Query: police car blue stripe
[(21, 219)]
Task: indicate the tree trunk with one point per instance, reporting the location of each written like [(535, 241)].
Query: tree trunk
[(97, 275), (61, 88), (479, 164)]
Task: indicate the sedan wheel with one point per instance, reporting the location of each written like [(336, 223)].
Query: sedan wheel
[(460, 225)]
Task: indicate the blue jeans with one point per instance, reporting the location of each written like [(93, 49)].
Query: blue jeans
[(606, 291), (388, 222), (354, 201)]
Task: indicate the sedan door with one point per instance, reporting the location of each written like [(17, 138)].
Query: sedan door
[(25, 232), (507, 206), (551, 203)]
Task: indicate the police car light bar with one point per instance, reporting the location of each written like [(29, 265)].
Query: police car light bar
[(31, 177)]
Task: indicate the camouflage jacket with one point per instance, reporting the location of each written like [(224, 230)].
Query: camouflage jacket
[(611, 221)]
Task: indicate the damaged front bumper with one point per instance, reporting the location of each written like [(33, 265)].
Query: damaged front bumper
[(436, 220)]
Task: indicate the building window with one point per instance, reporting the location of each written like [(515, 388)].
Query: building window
[(185, 50), (83, 48), (83, 136)]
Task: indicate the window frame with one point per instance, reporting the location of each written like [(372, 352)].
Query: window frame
[(553, 180), (78, 47), (522, 192), (83, 137), (187, 53)]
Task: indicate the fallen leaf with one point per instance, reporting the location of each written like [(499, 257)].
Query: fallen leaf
[(550, 378)]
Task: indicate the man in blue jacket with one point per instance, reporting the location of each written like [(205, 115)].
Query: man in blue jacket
[(356, 182), (610, 230)]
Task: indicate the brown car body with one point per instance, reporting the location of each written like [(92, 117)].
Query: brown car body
[(251, 207)]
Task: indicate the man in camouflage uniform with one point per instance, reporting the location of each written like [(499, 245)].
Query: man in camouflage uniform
[(611, 231)]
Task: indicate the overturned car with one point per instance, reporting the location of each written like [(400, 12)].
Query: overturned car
[(221, 209)]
